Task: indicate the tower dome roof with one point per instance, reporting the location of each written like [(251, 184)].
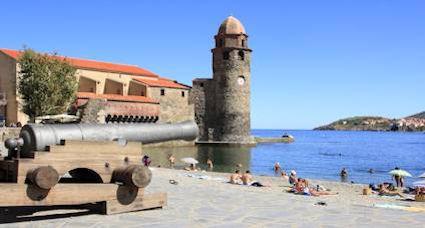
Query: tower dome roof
[(231, 26)]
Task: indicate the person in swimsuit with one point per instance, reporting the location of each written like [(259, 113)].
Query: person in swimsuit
[(293, 178), (277, 167), (235, 178), (192, 167), (171, 159), (248, 180), (398, 179), (210, 164), (384, 191)]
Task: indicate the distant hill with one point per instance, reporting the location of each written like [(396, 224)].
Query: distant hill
[(376, 123), (359, 123), (420, 115)]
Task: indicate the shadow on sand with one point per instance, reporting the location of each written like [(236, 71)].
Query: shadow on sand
[(34, 213)]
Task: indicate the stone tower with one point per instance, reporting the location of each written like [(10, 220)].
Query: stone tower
[(222, 104)]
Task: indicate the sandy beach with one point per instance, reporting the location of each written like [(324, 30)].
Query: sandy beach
[(203, 199)]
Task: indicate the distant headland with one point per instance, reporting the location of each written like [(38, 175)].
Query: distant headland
[(376, 123)]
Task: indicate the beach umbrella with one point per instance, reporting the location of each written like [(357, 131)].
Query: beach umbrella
[(189, 160), (400, 172), (422, 175), (419, 183)]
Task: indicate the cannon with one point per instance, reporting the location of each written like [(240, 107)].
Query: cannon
[(39, 137), (75, 164)]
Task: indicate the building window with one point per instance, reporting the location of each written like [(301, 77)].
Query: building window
[(202, 84), (162, 92), (183, 94), (226, 55), (243, 43), (142, 93), (241, 55)]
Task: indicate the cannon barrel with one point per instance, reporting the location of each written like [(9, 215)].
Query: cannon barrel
[(37, 137)]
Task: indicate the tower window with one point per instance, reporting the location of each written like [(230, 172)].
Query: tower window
[(183, 94), (243, 43), (241, 55), (202, 84), (226, 55), (219, 42), (162, 92)]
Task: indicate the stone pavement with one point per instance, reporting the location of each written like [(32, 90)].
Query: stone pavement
[(210, 202)]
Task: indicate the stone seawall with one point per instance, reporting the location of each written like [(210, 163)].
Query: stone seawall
[(174, 143)]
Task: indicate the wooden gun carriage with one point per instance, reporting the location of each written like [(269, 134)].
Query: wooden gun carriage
[(74, 164)]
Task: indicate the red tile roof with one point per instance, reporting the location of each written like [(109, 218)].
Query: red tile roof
[(161, 82), (116, 97), (94, 65)]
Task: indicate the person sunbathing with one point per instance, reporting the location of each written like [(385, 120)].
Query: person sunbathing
[(248, 180), (384, 191), (235, 178), (192, 167), (314, 192), (301, 187)]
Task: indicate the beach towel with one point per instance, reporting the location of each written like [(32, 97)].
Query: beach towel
[(400, 207), (204, 177)]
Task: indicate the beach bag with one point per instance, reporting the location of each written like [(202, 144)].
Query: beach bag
[(367, 191), (420, 198)]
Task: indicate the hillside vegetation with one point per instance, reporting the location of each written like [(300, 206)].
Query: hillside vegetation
[(376, 123)]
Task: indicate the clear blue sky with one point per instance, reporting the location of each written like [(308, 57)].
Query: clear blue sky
[(313, 61)]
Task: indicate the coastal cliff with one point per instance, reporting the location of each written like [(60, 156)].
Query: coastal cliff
[(376, 123)]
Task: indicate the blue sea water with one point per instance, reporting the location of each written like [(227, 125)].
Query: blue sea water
[(314, 154), (322, 154)]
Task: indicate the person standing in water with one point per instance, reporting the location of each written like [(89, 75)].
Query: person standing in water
[(171, 159), (210, 164), (344, 175), (277, 167)]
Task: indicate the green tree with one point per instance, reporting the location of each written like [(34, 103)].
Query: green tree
[(47, 84)]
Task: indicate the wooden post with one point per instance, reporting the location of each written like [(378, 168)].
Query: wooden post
[(44, 177), (133, 175)]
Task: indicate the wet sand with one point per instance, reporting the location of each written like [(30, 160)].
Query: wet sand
[(210, 202)]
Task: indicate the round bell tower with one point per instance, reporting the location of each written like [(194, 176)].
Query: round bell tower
[(232, 77)]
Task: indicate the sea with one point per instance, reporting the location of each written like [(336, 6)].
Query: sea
[(313, 154)]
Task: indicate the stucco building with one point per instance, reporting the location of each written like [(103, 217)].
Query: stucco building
[(107, 92), (222, 103)]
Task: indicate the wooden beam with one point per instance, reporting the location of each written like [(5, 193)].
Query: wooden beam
[(147, 201), (60, 194)]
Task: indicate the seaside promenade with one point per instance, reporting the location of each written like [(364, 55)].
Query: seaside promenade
[(210, 202)]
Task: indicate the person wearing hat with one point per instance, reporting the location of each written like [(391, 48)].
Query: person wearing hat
[(293, 177)]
